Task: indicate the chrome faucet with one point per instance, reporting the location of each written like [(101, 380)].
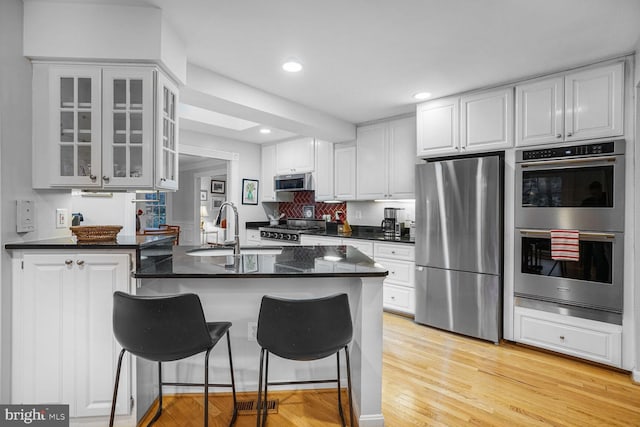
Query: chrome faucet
[(236, 238)]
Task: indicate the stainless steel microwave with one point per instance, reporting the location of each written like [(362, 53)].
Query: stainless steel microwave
[(293, 182)]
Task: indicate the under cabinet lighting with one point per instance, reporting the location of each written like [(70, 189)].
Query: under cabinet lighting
[(265, 131), (395, 200), (330, 202)]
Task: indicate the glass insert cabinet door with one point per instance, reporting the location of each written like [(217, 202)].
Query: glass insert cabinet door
[(75, 126), (127, 127), (167, 134)]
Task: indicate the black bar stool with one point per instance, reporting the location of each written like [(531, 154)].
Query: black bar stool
[(164, 329), (304, 330)]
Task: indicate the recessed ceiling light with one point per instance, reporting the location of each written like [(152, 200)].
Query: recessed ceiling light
[(292, 66), (422, 95), (265, 131)]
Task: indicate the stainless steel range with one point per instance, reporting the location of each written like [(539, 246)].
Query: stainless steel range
[(289, 233)]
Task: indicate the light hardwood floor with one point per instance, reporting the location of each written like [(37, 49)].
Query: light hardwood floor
[(434, 378)]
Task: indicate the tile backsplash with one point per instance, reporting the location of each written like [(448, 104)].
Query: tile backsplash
[(295, 208)]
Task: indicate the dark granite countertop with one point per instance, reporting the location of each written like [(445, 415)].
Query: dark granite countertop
[(122, 242), (291, 261), (364, 233)]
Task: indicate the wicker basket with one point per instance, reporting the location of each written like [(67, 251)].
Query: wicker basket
[(96, 233)]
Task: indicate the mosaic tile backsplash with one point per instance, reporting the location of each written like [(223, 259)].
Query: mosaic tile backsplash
[(295, 209)]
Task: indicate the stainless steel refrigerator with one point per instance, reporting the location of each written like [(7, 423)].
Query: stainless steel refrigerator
[(459, 245)]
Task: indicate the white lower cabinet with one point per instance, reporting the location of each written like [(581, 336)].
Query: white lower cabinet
[(63, 347), (253, 237), (588, 339), (399, 286), (398, 258)]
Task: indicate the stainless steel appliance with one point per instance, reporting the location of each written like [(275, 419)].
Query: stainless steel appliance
[(293, 182), (289, 233), (576, 187), (571, 187), (459, 246), (390, 224)]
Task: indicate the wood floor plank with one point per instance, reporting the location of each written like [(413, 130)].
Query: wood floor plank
[(437, 379)]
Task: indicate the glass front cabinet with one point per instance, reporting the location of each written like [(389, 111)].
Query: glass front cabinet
[(100, 127)]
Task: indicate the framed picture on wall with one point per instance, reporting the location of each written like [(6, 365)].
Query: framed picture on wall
[(217, 187), (249, 191)]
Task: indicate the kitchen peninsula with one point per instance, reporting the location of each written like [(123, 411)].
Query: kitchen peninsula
[(65, 290)]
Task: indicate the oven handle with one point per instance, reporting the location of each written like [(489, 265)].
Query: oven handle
[(582, 233), (594, 161)]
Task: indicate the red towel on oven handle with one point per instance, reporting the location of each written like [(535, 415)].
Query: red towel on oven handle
[(565, 245)]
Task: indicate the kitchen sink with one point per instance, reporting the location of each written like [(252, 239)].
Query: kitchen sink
[(246, 250)]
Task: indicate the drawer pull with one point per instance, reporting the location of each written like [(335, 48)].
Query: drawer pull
[(561, 337), (393, 298), (68, 262), (80, 262), (393, 272), (393, 252)]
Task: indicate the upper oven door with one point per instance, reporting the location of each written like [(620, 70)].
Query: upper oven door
[(578, 194), (594, 281)]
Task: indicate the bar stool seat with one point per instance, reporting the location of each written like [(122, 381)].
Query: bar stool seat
[(164, 329), (304, 330)]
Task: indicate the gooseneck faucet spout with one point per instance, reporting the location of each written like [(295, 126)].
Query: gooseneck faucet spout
[(236, 238)]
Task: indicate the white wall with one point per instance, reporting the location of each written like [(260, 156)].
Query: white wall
[(15, 168), (116, 209), (249, 167)]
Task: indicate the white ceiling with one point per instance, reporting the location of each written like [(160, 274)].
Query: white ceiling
[(364, 59)]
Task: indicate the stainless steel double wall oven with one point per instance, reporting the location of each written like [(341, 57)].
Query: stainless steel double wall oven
[(576, 187)]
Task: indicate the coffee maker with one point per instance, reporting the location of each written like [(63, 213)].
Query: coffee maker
[(390, 224)]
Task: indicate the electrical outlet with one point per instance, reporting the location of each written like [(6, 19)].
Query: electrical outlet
[(358, 214), (61, 218), (252, 331)]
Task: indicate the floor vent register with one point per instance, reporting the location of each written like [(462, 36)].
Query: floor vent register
[(248, 407)]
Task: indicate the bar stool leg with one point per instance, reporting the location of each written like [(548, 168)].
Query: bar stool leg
[(346, 351), (339, 391), (115, 388), (233, 383), (266, 384), (206, 387), (159, 410), (259, 407)]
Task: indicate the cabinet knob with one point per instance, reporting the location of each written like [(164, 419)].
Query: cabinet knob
[(562, 337), (105, 178), (393, 298), (393, 273), (80, 262), (68, 262), (93, 177), (393, 252), (569, 133), (559, 136), (163, 179)]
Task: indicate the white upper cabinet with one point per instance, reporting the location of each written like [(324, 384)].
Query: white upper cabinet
[(166, 173), (437, 126), (386, 160), (486, 120), (93, 127), (454, 125), (323, 175), (594, 101), (581, 105), (296, 156), (268, 171), (371, 169), (127, 134), (540, 112), (345, 172)]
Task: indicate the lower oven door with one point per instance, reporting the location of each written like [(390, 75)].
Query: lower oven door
[(595, 281)]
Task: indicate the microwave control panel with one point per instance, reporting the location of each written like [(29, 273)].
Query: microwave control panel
[(572, 151)]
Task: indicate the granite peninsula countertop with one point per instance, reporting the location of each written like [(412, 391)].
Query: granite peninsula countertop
[(122, 242), (282, 262)]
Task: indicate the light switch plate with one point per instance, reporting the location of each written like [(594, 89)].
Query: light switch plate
[(61, 218), (25, 216)]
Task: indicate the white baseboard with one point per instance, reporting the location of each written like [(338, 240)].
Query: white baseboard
[(635, 375), (371, 421)]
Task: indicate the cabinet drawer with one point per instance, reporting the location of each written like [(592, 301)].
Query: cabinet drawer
[(306, 240), (400, 272), (398, 251), (398, 298), (587, 339), (363, 246)]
